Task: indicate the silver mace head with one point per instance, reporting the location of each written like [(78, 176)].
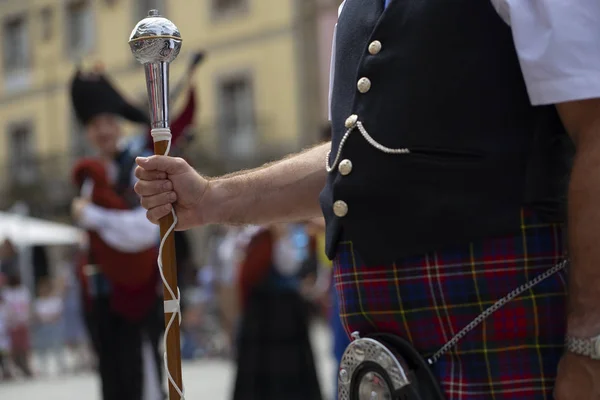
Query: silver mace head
[(155, 42)]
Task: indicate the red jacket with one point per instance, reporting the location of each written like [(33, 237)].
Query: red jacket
[(132, 276)]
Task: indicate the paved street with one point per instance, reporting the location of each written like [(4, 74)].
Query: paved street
[(203, 380)]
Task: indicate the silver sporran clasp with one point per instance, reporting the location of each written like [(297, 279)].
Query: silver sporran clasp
[(370, 371), (385, 367)]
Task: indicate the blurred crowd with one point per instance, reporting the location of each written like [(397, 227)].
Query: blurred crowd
[(254, 301), (41, 330), (258, 287)]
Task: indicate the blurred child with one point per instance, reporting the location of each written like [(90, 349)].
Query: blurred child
[(18, 303), (49, 308)]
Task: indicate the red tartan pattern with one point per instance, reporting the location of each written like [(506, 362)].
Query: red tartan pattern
[(428, 299)]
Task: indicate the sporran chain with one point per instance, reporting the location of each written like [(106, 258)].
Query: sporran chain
[(495, 307)]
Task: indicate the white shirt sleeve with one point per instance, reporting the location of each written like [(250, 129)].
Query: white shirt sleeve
[(332, 65), (331, 70), (128, 231), (558, 44)]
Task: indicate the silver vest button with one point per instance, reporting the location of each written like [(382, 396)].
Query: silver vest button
[(375, 47), (345, 167), (351, 121), (364, 85), (340, 208)]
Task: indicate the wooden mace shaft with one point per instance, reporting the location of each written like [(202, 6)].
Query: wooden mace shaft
[(169, 262)]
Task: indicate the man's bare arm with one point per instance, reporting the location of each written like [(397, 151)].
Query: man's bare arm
[(578, 376), (287, 190), (582, 120)]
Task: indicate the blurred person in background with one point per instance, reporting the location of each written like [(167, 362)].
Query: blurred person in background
[(227, 262), (9, 258), (48, 310), (75, 335), (87, 296), (18, 307), (204, 336), (216, 294), (119, 273), (5, 373), (341, 339), (316, 275), (274, 354)]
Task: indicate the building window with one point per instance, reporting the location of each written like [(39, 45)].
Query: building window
[(227, 7), (143, 6), (80, 28), (22, 153), (237, 120), (16, 45), (47, 25)]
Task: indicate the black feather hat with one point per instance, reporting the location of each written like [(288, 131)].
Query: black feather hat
[(93, 94)]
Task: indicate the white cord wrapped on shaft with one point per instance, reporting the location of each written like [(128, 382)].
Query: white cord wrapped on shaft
[(172, 306), (161, 135)]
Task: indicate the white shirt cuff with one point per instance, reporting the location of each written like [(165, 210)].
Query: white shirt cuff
[(562, 90)]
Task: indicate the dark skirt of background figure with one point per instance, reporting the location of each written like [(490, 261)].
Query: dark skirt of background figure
[(275, 359)]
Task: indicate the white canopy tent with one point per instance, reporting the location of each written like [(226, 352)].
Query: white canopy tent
[(25, 231)]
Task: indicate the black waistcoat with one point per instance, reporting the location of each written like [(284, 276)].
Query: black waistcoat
[(124, 186), (447, 85)]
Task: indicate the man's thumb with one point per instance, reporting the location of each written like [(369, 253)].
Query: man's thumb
[(170, 165)]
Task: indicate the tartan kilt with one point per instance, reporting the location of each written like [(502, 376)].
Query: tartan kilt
[(274, 357), (427, 299)]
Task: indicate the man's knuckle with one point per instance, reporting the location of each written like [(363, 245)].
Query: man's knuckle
[(140, 188), (179, 162), (152, 216)]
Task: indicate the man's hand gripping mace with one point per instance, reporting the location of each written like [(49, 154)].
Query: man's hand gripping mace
[(155, 42)]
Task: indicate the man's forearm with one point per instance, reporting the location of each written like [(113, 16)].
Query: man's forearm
[(584, 235), (287, 190), (582, 119)]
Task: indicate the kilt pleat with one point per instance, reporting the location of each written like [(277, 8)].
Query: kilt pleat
[(427, 299)]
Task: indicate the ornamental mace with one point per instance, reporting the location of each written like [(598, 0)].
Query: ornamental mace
[(155, 42)]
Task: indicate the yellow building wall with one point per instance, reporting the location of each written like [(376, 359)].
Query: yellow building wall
[(261, 41)]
